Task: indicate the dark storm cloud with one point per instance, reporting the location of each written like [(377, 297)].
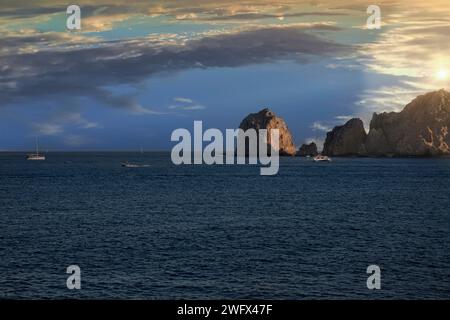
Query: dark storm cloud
[(29, 11), (87, 11), (72, 70)]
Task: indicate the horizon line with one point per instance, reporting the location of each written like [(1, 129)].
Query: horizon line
[(92, 150)]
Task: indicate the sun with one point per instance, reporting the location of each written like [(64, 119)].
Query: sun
[(441, 74)]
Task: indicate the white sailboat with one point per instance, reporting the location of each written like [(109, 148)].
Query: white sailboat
[(36, 156)]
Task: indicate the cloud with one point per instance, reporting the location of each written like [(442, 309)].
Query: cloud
[(138, 109), (61, 120), (183, 100), (186, 104), (327, 126), (23, 8), (54, 69), (106, 14), (319, 126), (29, 11), (194, 107), (76, 119), (410, 39), (387, 99), (127, 102), (259, 16), (408, 51), (189, 107), (47, 129), (343, 118)]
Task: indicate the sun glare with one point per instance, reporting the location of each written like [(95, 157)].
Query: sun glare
[(442, 74)]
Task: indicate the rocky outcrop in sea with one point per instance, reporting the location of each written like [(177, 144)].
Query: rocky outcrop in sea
[(266, 119), (308, 150), (346, 140), (420, 129)]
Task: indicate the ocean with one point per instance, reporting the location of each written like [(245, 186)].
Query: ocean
[(223, 232)]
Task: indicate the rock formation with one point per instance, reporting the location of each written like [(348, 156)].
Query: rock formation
[(346, 140), (266, 119), (308, 150), (421, 129)]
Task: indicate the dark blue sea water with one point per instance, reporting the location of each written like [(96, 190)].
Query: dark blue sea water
[(223, 231)]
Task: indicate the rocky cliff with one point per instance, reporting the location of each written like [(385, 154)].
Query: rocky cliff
[(421, 129), (266, 119), (346, 140), (308, 150)]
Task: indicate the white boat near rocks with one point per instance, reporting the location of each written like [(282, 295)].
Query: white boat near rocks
[(321, 158)]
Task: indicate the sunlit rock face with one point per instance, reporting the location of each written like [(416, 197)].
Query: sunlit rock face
[(346, 140), (266, 119), (420, 129)]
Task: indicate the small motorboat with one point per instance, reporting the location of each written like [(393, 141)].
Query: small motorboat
[(321, 158), (127, 164)]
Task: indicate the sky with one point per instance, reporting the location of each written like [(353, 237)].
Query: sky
[(137, 70)]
